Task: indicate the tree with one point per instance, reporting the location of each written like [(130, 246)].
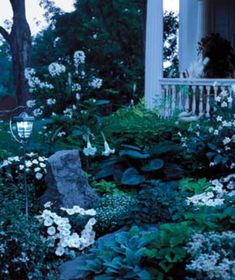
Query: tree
[(19, 40)]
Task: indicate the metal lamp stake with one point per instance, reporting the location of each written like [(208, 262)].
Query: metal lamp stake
[(24, 126)]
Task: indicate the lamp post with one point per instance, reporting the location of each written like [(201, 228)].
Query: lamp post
[(23, 127)]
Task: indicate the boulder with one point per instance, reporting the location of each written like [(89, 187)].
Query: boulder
[(66, 182)]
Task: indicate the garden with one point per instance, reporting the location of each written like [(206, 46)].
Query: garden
[(112, 190)]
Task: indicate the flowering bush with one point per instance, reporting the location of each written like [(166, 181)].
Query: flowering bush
[(63, 89), (210, 142), (23, 254), (59, 230), (212, 255), (13, 167)]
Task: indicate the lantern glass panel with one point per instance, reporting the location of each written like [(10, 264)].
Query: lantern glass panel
[(24, 129)]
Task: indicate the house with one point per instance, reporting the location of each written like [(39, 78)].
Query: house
[(197, 18)]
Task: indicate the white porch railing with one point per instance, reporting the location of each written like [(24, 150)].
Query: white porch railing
[(191, 95)]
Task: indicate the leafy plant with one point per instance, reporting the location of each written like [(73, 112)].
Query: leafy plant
[(23, 254), (140, 253), (106, 187)]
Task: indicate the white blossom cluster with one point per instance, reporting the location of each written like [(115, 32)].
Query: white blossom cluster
[(79, 58), (51, 101), (34, 164), (34, 82), (215, 195), (96, 83), (212, 255), (76, 87), (60, 233), (222, 129), (56, 69)]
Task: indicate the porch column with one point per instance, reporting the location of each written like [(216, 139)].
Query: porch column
[(187, 33), (201, 20), (153, 52)]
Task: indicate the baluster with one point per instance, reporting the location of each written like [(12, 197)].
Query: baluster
[(201, 111), (163, 101), (180, 98), (174, 97), (208, 101), (194, 99), (216, 93), (231, 95), (187, 99)]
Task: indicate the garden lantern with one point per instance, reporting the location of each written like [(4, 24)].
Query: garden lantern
[(23, 127)]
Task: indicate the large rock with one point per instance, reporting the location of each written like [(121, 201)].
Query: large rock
[(66, 182)]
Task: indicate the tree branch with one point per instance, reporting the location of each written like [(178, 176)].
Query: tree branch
[(5, 34)]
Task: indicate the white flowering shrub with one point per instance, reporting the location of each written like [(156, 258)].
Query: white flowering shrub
[(214, 138), (60, 234), (212, 255), (12, 168), (216, 194), (63, 88)]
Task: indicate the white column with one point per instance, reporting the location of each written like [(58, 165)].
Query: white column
[(187, 33), (153, 52), (201, 20)]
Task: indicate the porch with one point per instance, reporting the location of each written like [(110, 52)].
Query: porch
[(196, 96), (186, 94)]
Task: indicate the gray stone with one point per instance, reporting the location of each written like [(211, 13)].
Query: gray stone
[(66, 182)]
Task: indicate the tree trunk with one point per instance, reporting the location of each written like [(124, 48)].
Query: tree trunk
[(20, 43)]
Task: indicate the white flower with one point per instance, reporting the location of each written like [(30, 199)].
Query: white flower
[(76, 87), (89, 150), (218, 98), (38, 176), (48, 204), (43, 165), (31, 103), (51, 231), (59, 251), (216, 132), (48, 222), (107, 150), (92, 222), (78, 97), (230, 99), (224, 104), (211, 129), (55, 69), (28, 163), (61, 134), (51, 101), (37, 112), (21, 167), (219, 118), (79, 58), (96, 83), (226, 140), (68, 112)]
